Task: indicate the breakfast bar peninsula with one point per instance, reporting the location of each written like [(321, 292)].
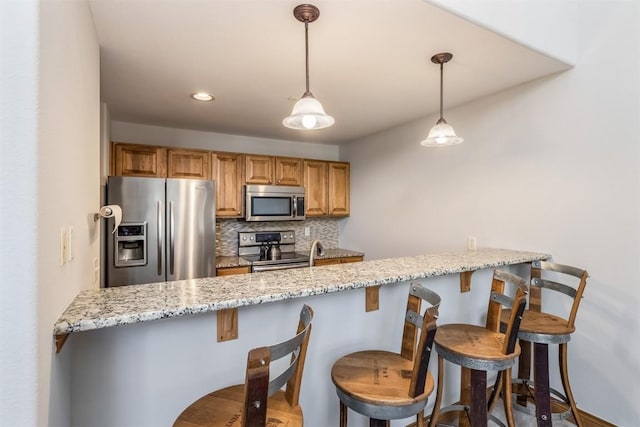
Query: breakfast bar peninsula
[(145, 373)]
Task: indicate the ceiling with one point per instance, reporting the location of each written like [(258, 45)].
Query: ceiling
[(369, 63)]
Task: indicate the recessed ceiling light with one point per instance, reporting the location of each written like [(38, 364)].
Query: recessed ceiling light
[(202, 96)]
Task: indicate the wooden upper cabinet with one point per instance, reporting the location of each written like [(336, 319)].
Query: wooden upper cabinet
[(268, 170), (192, 164), (288, 171), (339, 188), (139, 160), (258, 169), (315, 185), (229, 180)]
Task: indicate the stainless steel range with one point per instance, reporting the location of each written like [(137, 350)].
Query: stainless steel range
[(271, 250)]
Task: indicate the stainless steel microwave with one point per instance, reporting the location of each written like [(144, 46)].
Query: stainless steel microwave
[(274, 203)]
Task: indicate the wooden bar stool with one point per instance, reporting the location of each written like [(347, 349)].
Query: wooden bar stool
[(481, 349), (383, 385), (257, 400), (541, 329)]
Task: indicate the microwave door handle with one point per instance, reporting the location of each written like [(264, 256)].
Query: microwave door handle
[(295, 206), (160, 238)]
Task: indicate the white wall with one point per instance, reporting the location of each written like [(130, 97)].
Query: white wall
[(157, 135), (550, 166), (68, 184), (18, 212), (50, 142)]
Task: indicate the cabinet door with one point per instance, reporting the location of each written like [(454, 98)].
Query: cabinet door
[(188, 164), (348, 259), (315, 187), (258, 169), (339, 189), (288, 171), (332, 261), (231, 271), (229, 172), (139, 160), (326, 261)]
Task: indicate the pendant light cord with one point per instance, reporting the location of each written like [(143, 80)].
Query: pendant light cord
[(306, 51), (441, 119)]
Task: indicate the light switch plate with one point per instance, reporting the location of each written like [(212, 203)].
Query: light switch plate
[(70, 244), (63, 245)]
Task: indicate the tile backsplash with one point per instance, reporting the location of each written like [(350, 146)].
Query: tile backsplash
[(323, 229)]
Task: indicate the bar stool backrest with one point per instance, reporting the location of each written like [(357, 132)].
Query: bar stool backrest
[(538, 282), (257, 385), (426, 323), (498, 299)]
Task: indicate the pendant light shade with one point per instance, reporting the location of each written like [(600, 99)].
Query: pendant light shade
[(442, 134), (307, 113)]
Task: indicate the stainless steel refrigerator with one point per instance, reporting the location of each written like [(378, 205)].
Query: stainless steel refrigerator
[(168, 230)]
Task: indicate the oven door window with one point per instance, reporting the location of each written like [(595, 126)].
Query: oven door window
[(271, 206)]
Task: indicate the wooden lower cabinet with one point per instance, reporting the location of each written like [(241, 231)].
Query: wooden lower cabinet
[(229, 271), (332, 261), (138, 160), (193, 164)]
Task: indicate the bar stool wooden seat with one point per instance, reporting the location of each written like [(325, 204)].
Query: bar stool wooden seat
[(258, 400), (481, 349), (542, 329), (383, 385)]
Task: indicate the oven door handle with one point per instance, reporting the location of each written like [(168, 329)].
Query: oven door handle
[(261, 268)]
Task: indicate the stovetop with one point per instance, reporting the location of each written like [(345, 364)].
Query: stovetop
[(285, 258)]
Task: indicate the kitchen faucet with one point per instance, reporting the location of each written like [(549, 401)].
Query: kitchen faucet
[(316, 249)]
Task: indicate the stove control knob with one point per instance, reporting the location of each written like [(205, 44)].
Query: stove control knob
[(244, 237), (251, 238)]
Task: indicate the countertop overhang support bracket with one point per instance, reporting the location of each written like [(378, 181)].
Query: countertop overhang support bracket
[(465, 281), (60, 340)]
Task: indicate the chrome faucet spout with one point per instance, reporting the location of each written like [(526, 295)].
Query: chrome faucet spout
[(316, 250)]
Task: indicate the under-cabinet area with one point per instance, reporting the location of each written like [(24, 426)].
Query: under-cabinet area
[(326, 183)]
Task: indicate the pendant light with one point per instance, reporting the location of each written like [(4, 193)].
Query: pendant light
[(307, 113), (442, 134)]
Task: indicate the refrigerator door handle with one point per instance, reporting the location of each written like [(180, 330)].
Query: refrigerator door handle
[(171, 238), (160, 238)]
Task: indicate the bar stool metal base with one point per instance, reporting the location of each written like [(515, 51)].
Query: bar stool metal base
[(530, 385)]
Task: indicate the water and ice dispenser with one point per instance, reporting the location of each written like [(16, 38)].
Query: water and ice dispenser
[(131, 244)]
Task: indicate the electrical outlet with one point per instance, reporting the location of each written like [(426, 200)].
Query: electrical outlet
[(70, 244), (471, 243), (64, 241), (307, 231)]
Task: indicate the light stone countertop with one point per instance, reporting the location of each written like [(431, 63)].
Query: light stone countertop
[(106, 307)]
